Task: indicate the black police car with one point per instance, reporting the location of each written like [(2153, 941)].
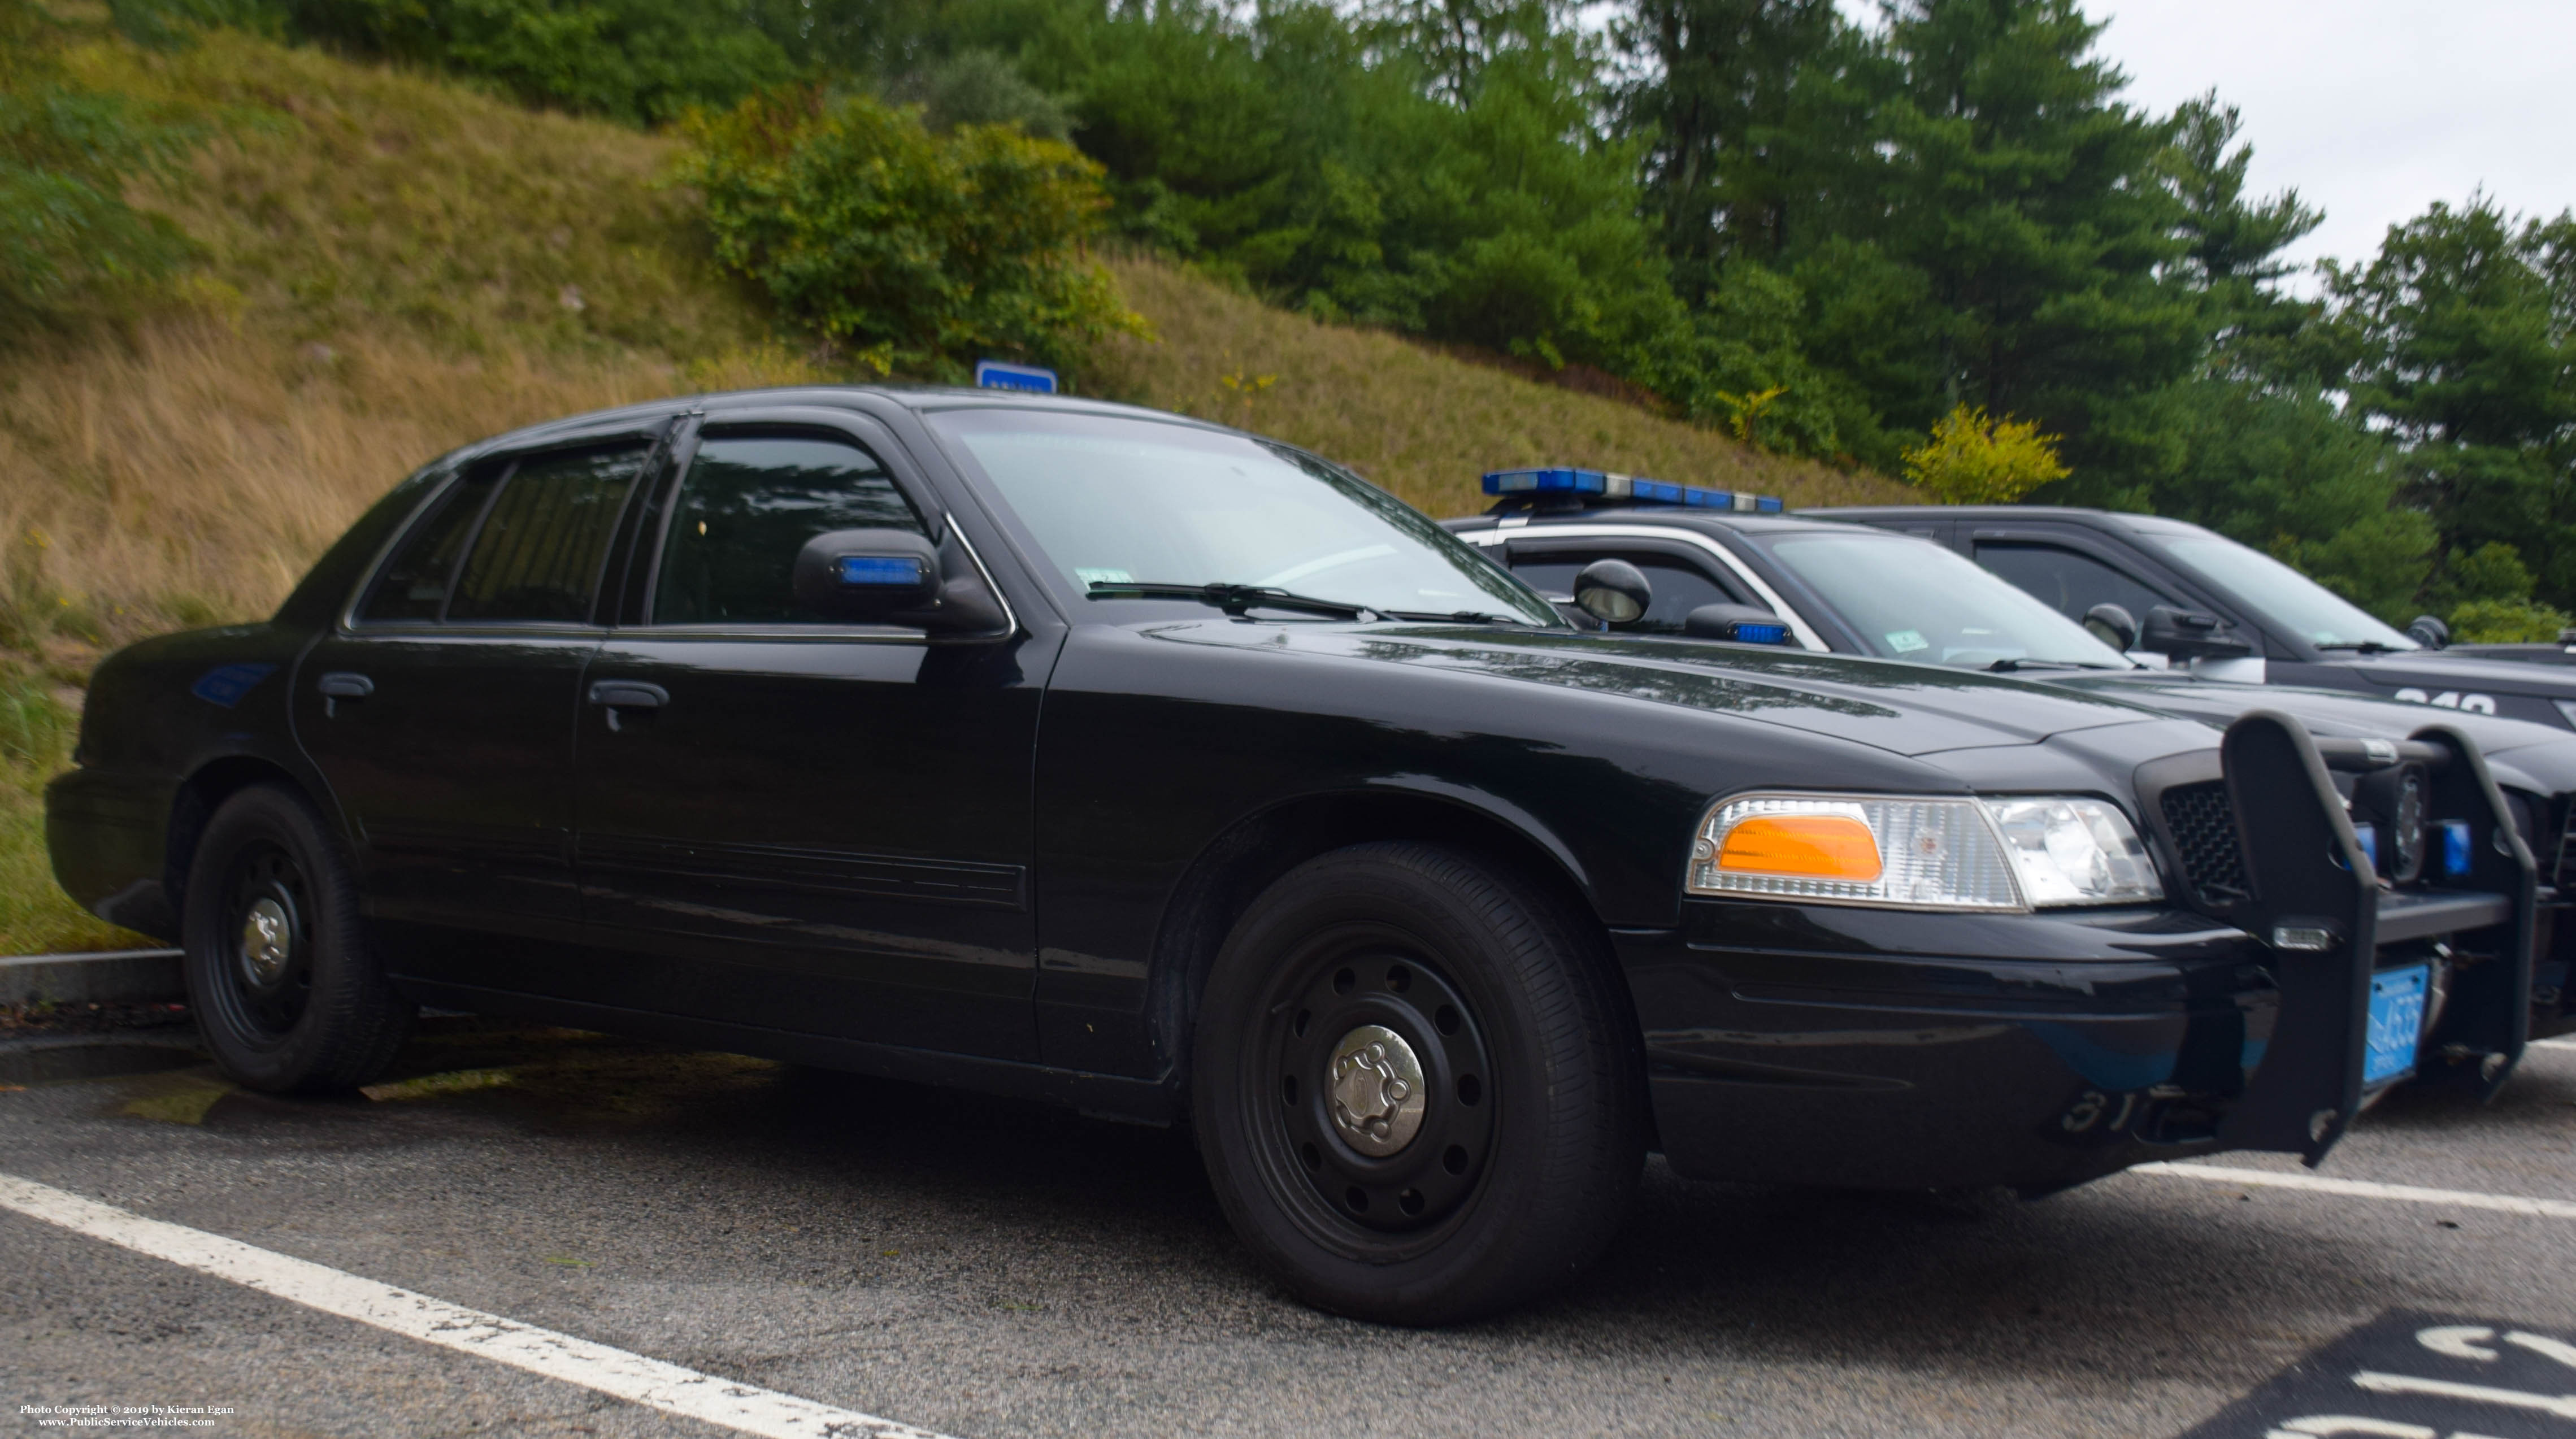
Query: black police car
[(1833, 585), (1114, 759), (2202, 598)]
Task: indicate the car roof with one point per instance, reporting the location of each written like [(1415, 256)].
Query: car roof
[(920, 398), (2098, 519), (1677, 517)]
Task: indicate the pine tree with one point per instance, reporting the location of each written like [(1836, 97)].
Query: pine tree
[(1730, 109), (2232, 244), (2019, 187), (2462, 336)]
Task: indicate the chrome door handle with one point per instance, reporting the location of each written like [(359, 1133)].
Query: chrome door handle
[(342, 685), (615, 695)]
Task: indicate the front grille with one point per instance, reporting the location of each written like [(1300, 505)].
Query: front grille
[(2564, 874), (2204, 831)]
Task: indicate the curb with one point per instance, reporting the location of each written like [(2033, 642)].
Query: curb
[(124, 976)]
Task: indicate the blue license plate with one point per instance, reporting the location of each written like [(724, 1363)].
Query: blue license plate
[(2396, 1022)]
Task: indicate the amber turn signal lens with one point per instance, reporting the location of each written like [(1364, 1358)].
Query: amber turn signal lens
[(1819, 846)]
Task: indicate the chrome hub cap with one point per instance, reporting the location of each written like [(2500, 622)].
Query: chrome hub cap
[(267, 942), (1377, 1091)]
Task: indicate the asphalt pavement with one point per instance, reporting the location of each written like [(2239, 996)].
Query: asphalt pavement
[(987, 1269)]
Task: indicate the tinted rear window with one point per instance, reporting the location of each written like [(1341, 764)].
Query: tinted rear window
[(542, 543)]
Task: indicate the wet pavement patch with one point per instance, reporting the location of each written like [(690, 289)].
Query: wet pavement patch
[(2409, 1375), (177, 1099), (430, 1086)]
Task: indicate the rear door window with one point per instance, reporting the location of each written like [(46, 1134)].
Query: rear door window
[(413, 585), (544, 538), (746, 508), (2067, 581)]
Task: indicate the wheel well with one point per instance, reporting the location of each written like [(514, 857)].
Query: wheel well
[(1247, 859), (199, 796)]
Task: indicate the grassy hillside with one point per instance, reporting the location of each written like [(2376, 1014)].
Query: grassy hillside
[(394, 266)]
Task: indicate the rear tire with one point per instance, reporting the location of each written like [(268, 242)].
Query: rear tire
[(278, 973), (1417, 1094)]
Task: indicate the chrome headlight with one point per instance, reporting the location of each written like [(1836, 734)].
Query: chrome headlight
[(1994, 855), (2074, 851)]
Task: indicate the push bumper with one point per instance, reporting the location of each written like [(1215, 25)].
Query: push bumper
[(1885, 1049)]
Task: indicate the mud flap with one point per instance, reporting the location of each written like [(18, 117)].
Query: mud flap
[(2316, 902)]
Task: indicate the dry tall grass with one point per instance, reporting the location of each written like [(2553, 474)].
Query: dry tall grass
[(191, 474)]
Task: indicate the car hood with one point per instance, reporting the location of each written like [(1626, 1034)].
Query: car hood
[(1906, 709), (2522, 754), (2432, 668)]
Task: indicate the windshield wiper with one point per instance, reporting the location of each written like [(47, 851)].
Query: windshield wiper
[(1460, 617), (2366, 647), (1234, 599), (2007, 666)]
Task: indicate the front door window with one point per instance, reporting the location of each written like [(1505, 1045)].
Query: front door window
[(2068, 582)]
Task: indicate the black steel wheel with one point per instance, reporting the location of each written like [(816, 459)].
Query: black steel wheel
[(1417, 1093), (283, 988), (268, 970)]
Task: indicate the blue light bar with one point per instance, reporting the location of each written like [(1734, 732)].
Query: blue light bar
[(2368, 834), (1565, 480), (875, 571), (2455, 847), (1753, 633), (1548, 481)]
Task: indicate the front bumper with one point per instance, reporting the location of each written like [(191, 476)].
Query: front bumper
[(1871, 1049), (1828, 1045)]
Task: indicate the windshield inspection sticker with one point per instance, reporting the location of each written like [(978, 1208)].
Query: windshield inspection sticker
[(1906, 642), (2406, 1375)]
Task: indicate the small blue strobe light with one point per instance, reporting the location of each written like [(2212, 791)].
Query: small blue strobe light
[(2455, 847), (879, 571)]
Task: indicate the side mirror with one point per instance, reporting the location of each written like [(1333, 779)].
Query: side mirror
[(1614, 592), (2429, 632), (1742, 624), (2189, 635), (866, 574), (2113, 625), (894, 577)]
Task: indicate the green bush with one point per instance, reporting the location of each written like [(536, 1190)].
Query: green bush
[(1974, 459), (641, 61), (67, 236), (981, 87), (2491, 622), (915, 252)]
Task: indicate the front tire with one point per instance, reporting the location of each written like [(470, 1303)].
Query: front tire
[(284, 990), (1418, 1096)]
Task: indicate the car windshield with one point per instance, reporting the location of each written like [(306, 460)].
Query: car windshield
[(2280, 593), (1113, 500), (1910, 599)]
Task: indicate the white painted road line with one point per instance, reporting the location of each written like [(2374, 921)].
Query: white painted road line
[(632, 1377), (2363, 1189), (2555, 1043)]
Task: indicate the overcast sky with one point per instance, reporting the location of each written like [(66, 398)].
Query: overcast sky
[(2370, 109)]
